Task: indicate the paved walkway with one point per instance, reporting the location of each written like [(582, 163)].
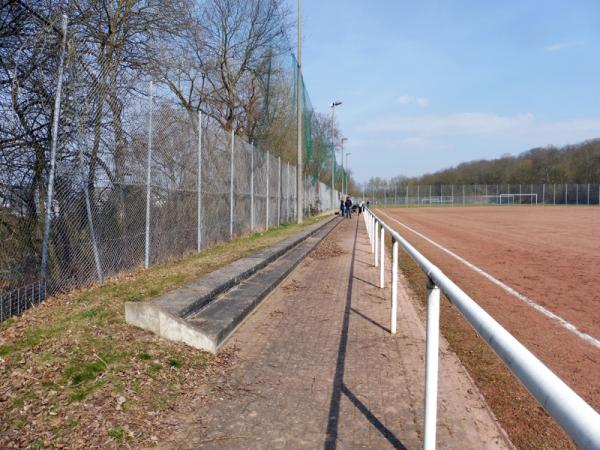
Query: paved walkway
[(316, 367)]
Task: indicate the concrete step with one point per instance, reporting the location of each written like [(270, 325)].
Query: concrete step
[(204, 313), (219, 319)]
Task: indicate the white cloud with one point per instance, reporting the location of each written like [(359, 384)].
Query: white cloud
[(563, 45), (452, 124), (422, 102)]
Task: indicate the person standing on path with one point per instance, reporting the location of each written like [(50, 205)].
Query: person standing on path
[(342, 207), (348, 205)]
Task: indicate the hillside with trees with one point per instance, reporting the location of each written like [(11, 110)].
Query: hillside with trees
[(571, 164)]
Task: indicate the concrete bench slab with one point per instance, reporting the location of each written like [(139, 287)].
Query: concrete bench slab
[(204, 313)]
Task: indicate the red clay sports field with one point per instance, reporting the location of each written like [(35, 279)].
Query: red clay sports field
[(535, 269)]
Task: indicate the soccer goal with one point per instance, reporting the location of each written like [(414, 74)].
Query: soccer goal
[(437, 200), (510, 199)]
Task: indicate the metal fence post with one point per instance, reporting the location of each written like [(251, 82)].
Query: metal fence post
[(588, 193), (394, 286), (231, 171), (554, 194), (382, 258), (566, 193), (149, 178), (268, 179), (279, 192), (372, 226), (287, 194), (544, 194), (463, 194), (199, 218), (88, 210), (50, 191), (252, 225), (376, 243), (431, 364)]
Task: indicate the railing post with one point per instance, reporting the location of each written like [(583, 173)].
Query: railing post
[(372, 233), (382, 258), (394, 286), (231, 169), (376, 243), (431, 364)]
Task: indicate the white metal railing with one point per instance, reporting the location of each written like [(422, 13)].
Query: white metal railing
[(579, 420)]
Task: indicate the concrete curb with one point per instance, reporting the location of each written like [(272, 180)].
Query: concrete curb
[(204, 313)]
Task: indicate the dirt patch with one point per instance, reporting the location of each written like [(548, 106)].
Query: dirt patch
[(328, 248)]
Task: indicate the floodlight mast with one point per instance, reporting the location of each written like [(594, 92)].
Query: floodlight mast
[(344, 184), (332, 106), (299, 98)]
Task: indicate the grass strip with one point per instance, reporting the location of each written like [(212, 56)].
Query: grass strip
[(74, 374)]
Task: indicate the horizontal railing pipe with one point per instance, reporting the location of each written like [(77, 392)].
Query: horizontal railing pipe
[(578, 419)]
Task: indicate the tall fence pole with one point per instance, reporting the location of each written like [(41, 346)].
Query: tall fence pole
[(431, 364), (149, 176), (268, 179), (199, 218), (279, 192), (588, 193), (287, 193), (50, 191), (88, 209), (252, 187), (231, 171), (544, 194)]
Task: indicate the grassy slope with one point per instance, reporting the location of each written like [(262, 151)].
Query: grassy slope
[(74, 374)]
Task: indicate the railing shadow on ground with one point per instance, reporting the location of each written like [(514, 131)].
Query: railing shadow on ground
[(339, 387), (368, 319), (365, 281)]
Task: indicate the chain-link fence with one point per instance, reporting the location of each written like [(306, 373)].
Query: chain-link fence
[(484, 194), (123, 175)]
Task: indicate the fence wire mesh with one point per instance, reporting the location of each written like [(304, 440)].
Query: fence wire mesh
[(138, 178), (484, 194)]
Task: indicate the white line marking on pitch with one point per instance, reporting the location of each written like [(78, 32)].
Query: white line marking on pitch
[(565, 324)]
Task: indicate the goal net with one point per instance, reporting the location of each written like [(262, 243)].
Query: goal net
[(437, 199), (510, 199)]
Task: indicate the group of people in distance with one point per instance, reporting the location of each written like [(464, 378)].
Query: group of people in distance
[(346, 207)]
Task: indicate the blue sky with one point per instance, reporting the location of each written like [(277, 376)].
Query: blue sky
[(429, 84)]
